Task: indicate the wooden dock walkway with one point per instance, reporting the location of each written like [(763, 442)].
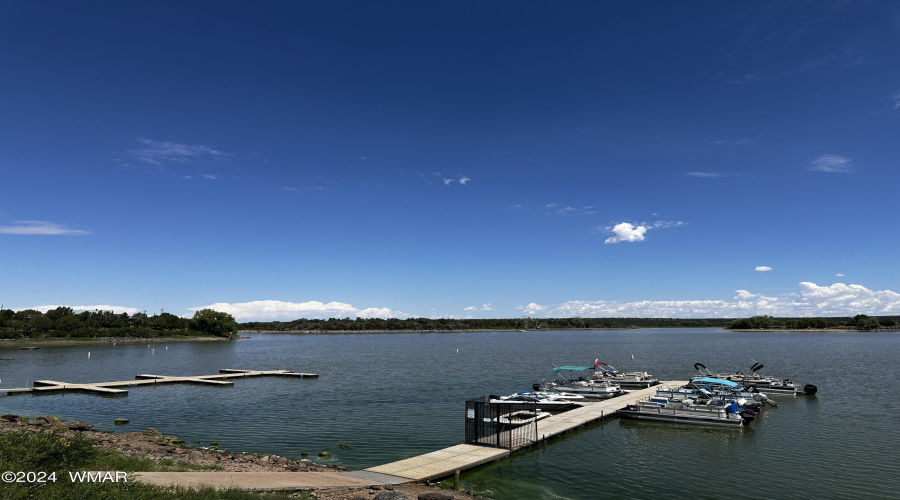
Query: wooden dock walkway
[(446, 462), (115, 388)]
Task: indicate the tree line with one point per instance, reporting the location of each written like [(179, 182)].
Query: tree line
[(65, 322), (445, 324), (858, 322)]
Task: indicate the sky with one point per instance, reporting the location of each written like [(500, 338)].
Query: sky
[(278, 160)]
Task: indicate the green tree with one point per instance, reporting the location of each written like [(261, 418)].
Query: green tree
[(215, 323)]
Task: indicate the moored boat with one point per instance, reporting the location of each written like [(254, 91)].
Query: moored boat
[(574, 379), (521, 417), (533, 400), (640, 380), (763, 383), (688, 411)]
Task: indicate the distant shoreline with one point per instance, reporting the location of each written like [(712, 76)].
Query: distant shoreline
[(62, 341)]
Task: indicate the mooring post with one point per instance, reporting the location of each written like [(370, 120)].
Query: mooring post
[(456, 479)]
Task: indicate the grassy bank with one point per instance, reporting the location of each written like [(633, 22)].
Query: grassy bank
[(54, 452)]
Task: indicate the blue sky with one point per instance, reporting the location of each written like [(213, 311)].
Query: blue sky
[(278, 160)]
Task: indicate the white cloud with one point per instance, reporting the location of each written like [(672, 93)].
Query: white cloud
[(484, 307), (839, 275), (39, 227), (896, 97), (115, 309), (625, 231), (831, 163), (763, 268), (210, 177), (463, 180), (628, 232), (161, 152), (276, 310), (551, 205), (811, 300), (447, 182), (704, 174)]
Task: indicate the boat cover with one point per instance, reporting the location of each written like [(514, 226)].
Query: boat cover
[(711, 380), (570, 368)]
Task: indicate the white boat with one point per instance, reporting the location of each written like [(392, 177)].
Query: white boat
[(640, 380), (530, 399), (570, 381), (689, 411), (522, 417)]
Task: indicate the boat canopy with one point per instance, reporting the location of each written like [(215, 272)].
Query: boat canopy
[(711, 380), (571, 368)]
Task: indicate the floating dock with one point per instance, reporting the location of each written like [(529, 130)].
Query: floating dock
[(116, 388), (444, 463)]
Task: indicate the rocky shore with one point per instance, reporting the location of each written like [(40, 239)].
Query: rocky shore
[(170, 450)]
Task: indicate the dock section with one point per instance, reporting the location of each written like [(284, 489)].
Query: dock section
[(444, 463), (115, 388)]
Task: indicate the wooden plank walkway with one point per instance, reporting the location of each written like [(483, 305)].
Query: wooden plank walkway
[(446, 462), (441, 463), (115, 388)]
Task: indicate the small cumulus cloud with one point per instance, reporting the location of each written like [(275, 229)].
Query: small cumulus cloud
[(36, 227), (484, 307), (831, 163), (463, 180), (276, 310), (839, 275), (763, 268), (628, 232)]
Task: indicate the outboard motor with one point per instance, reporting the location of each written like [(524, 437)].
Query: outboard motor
[(536, 387), (762, 398), (809, 389)]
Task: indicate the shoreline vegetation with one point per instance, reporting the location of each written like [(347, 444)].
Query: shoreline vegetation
[(50, 444), (63, 325)]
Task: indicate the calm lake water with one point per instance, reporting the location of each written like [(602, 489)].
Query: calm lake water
[(393, 396)]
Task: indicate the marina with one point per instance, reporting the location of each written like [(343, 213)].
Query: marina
[(446, 462), (388, 408)]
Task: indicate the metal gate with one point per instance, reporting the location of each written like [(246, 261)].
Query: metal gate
[(509, 426)]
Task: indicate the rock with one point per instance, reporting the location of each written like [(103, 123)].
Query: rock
[(391, 495), (153, 433), (282, 460), (121, 421), (325, 454), (10, 418), (196, 455), (434, 496), (177, 441), (78, 425)]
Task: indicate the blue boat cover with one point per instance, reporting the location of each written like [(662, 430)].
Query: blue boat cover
[(571, 368), (711, 380)]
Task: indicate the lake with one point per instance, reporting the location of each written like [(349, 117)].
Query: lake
[(392, 396)]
